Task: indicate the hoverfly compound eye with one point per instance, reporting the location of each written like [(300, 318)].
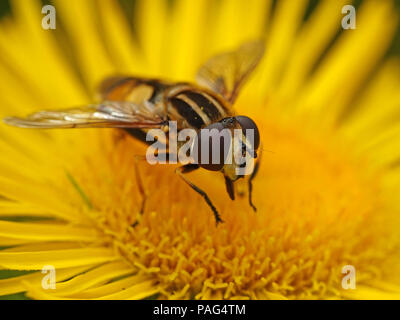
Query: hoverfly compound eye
[(246, 123), (211, 147)]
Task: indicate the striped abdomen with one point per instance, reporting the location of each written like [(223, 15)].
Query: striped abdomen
[(195, 107)]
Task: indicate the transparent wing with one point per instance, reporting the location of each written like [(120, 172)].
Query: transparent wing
[(227, 72), (105, 115)]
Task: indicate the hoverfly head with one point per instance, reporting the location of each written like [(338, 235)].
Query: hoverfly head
[(251, 135), (218, 146)]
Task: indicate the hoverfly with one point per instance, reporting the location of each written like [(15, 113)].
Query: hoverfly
[(138, 104)]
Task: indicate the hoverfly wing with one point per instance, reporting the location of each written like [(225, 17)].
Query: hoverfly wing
[(105, 115), (227, 72)]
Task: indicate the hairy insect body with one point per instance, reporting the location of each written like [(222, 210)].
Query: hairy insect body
[(138, 105)]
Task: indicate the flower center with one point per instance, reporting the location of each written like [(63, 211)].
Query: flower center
[(317, 212)]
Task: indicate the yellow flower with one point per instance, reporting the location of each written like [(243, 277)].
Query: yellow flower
[(326, 99)]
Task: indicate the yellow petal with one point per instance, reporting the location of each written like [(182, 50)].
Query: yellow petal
[(135, 292), (110, 288), (150, 19), (53, 64), (11, 208), (348, 64), (15, 285), (286, 21), (309, 44), (92, 278), (118, 34), (39, 231), (367, 293), (56, 258), (80, 20)]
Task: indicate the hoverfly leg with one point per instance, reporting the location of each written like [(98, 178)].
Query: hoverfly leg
[(140, 185), (229, 188), (181, 171), (252, 176)]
